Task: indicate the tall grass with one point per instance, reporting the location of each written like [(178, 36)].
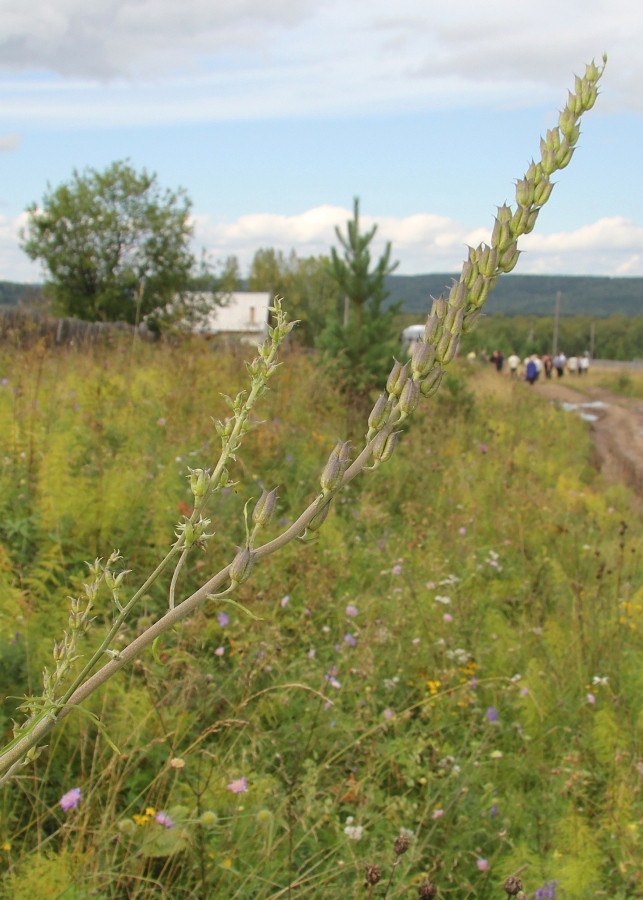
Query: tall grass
[(428, 664)]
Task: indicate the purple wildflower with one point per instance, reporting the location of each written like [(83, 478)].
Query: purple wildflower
[(462, 531), (388, 714), (238, 785), (591, 699), (493, 812), (396, 570), (483, 448), (447, 617), (223, 619), (71, 799), (492, 714), (350, 639), (482, 864), (163, 819), (4, 382), (284, 601), (351, 610), (547, 891), (219, 651)]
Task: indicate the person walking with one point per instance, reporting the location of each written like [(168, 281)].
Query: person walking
[(559, 364), (513, 362), (531, 370), (572, 365), (547, 365), (583, 364)]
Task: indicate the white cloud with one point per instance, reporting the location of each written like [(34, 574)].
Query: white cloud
[(178, 60), (9, 142), (425, 242)]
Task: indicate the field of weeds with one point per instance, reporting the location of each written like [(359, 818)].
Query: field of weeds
[(458, 658)]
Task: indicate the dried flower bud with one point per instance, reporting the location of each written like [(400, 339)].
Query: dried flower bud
[(431, 384), (384, 445), (525, 191), (241, 567), (332, 475), (531, 221), (401, 845), (422, 359), (430, 328), (427, 891), (379, 413), (439, 307), (372, 874), (319, 518), (265, 508), (410, 397), (513, 885), (397, 378)]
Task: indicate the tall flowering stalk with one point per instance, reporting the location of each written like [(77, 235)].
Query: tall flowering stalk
[(406, 386)]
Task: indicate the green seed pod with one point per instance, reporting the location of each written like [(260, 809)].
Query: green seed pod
[(519, 221), (476, 291), (543, 192), (592, 73), (504, 213), (430, 328), (467, 269), (379, 413), (332, 475), (241, 567), (431, 384), (409, 398), (319, 518), (533, 215), (491, 263), (265, 508), (452, 349), (439, 307), (473, 274), (422, 359), (549, 166), (458, 295), (589, 95), (501, 236), (384, 445), (534, 172), (553, 139), (397, 378), (509, 258), (566, 121), (566, 159), (470, 320), (525, 192), (443, 345)]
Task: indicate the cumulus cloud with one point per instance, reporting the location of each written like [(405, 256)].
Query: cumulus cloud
[(426, 242), (15, 265), (202, 59)]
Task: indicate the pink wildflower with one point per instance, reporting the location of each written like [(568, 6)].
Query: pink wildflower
[(388, 714), (462, 531), (71, 799), (483, 448), (430, 585), (482, 864), (591, 699), (396, 570), (219, 651), (415, 641), (238, 785), (438, 813), (284, 601), (447, 617), (163, 819), (351, 610)]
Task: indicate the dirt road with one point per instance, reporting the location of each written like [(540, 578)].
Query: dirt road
[(616, 425)]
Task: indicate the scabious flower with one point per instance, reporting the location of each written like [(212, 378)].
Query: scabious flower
[(483, 448), (415, 642), (238, 785), (354, 832), (284, 601), (388, 714), (71, 799), (311, 653), (482, 864), (591, 699), (163, 819), (350, 639), (447, 617), (438, 813), (219, 651), (351, 610), (223, 619), (462, 531), (492, 714), (547, 891), (396, 570), (430, 585)]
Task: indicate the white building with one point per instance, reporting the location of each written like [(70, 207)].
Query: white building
[(244, 316)]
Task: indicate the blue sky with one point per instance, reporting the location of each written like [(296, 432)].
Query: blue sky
[(273, 114)]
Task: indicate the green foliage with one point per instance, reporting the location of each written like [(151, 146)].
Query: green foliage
[(616, 337), (307, 284), (360, 340), (115, 247), (544, 584)]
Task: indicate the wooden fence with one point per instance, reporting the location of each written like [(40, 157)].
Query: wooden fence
[(24, 328)]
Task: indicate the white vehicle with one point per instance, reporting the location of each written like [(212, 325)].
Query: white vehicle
[(411, 336)]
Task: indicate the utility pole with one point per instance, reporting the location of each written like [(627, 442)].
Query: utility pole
[(556, 318), (592, 336)]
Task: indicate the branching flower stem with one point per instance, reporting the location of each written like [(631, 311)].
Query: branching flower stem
[(406, 385)]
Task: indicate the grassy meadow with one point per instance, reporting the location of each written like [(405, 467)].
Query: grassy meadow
[(459, 655)]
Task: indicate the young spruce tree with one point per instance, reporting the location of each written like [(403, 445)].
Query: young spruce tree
[(360, 339)]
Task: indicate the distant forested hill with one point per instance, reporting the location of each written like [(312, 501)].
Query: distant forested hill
[(531, 294), (12, 293)]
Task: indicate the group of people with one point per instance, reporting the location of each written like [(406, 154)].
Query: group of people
[(531, 367)]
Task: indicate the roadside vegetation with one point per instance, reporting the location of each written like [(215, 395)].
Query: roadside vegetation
[(458, 655)]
